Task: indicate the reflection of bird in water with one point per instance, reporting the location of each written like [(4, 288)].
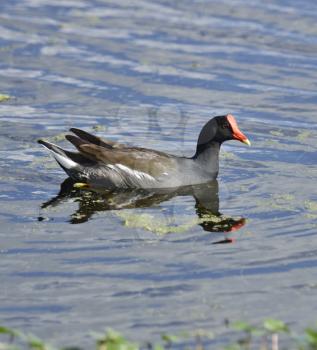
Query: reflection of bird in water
[(94, 200), (207, 205)]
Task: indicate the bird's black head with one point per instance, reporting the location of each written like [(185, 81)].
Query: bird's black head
[(220, 129)]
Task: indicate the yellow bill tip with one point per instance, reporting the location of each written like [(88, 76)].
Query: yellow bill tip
[(247, 142)]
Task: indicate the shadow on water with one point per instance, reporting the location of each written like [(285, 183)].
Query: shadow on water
[(96, 200)]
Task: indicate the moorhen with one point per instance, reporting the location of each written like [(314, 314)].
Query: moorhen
[(113, 165)]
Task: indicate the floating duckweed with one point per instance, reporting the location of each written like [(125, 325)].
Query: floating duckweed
[(94, 19), (286, 197), (283, 201), (249, 336), (228, 155), (45, 161), (149, 222), (311, 216), (271, 142), (303, 135), (195, 65), (311, 205), (244, 188), (58, 137), (276, 133), (99, 128), (4, 97)]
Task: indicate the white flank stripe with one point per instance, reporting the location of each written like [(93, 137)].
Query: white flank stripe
[(138, 174)]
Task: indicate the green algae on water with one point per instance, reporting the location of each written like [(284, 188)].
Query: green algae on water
[(303, 135), (311, 205), (228, 155), (99, 127), (283, 201), (58, 137), (248, 336), (149, 223), (4, 97), (276, 133), (311, 209)]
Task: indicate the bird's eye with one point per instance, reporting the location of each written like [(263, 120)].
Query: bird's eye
[(225, 125)]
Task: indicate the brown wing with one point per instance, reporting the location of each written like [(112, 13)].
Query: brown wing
[(143, 160), (84, 135)]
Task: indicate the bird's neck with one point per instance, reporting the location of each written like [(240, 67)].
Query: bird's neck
[(207, 156)]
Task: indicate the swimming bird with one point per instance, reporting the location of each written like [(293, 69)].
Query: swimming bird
[(113, 165)]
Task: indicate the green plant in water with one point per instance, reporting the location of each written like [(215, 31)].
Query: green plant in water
[(113, 340), (262, 337), (150, 223), (4, 97)]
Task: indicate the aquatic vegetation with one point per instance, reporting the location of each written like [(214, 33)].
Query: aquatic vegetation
[(228, 155), (270, 334), (280, 201), (303, 135), (311, 209), (172, 225), (311, 205), (58, 137), (150, 73), (150, 223), (99, 127), (4, 97), (276, 133)]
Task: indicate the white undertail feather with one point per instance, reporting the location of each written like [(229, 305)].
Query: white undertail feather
[(63, 160), (66, 162)]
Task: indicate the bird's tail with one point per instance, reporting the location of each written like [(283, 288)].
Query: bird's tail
[(60, 156)]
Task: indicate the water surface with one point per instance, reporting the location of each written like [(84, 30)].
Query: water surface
[(151, 74)]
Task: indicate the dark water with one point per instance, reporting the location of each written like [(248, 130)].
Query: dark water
[(151, 73)]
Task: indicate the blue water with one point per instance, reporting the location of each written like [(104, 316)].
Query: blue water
[(151, 74)]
